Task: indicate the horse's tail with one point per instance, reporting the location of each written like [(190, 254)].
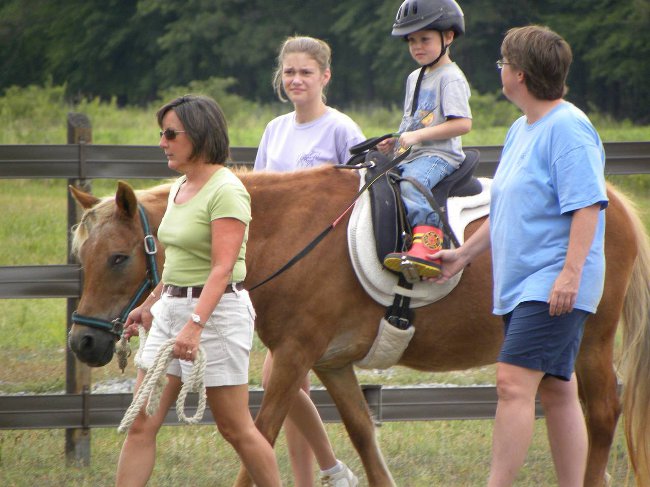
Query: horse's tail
[(635, 357)]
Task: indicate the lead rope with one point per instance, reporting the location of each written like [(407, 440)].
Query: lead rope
[(123, 350), (154, 382)]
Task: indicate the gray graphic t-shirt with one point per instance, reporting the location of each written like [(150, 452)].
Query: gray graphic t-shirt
[(444, 93)]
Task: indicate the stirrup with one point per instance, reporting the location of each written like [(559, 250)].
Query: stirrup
[(412, 268)]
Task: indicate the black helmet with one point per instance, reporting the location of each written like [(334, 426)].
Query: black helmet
[(440, 15)]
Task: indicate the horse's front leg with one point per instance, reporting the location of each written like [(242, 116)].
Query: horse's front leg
[(288, 370), (344, 388)]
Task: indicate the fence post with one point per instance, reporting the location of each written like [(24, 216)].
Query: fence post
[(77, 374)]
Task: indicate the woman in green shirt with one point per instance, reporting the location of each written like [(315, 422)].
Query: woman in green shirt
[(200, 300)]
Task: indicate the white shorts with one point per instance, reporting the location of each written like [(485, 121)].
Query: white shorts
[(227, 338)]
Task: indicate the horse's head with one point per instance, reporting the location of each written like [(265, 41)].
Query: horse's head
[(119, 269)]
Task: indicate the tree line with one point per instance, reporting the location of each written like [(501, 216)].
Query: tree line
[(132, 50)]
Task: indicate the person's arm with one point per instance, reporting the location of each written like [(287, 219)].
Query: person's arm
[(227, 238), (455, 260), (581, 235), (452, 127)]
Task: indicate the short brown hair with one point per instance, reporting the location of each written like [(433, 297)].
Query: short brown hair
[(204, 124), (544, 57)]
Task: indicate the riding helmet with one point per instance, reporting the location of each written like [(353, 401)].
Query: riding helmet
[(440, 15)]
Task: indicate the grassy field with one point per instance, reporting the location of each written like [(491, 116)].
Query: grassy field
[(419, 454), (33, 231)]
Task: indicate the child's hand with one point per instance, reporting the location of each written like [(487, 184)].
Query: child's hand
[(386, 146), (407, 139)]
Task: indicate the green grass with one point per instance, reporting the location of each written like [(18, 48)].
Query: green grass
[(418, 454)]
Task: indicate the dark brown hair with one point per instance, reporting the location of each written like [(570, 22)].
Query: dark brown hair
[(204, 124)]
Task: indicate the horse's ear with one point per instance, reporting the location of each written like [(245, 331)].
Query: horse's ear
[(86, 200), (127, 203)]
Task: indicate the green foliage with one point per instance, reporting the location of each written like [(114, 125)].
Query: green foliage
[(492, 110), (34, 114), (217, 88), (37, 115), (611, 41), (131, 51)]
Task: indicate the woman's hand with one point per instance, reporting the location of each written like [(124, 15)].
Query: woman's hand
[(564, 292), (187, 342), (452, 263), (140, 316)]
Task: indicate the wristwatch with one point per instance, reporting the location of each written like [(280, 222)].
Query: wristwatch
[(197, 319)]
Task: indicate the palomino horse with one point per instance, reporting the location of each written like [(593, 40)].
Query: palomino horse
[(316, 315)]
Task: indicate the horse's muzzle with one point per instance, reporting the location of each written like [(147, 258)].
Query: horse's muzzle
[(92, 347)]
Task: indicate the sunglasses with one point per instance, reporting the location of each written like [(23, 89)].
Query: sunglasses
[(170, 134)]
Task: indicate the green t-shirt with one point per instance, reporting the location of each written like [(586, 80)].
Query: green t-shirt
[(185, 230)]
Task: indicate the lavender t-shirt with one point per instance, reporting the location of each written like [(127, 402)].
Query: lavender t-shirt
[(287, 145)]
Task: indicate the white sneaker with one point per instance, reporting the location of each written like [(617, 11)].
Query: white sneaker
[(342, 478)]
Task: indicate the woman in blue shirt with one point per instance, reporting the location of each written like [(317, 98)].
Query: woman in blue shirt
[(546, 233)]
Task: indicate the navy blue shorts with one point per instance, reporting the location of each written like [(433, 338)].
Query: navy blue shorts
[(536, 340)]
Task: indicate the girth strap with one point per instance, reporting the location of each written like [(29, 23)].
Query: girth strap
[(399, 314)]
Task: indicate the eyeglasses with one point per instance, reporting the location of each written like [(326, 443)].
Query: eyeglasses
[(501, 63), (170, 134)]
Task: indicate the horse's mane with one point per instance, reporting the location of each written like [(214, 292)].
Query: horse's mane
[(325, 174), (104, 210)]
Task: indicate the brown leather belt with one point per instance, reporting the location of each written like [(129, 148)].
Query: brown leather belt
[(182, 292)]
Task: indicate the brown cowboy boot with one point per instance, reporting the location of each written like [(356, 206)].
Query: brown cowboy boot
[(426, 240)]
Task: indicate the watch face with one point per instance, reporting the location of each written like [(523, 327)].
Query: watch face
[(196, 318)]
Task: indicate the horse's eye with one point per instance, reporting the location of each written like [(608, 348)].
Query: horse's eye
[(117, 259)]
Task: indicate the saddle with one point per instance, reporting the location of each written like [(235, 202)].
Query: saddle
[(387, 211), (379, 214)]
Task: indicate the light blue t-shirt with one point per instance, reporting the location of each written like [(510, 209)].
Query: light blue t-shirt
[(547, 170)]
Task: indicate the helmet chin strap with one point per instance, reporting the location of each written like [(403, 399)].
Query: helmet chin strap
[(416, 92)]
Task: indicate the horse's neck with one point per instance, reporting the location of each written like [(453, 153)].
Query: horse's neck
[(155, 203)]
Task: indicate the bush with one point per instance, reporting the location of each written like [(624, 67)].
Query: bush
[(217, 88), (490, 111), (33, 114)]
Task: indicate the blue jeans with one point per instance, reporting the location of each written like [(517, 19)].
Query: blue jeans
[(429, 171)]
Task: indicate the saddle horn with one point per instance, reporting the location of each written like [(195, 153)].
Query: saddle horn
[(370, 143)]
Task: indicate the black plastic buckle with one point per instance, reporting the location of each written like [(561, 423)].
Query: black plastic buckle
[(399, 322)]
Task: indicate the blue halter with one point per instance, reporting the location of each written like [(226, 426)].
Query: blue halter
[(151, 280)]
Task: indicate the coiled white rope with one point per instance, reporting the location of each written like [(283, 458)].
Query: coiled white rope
[(154, 382)]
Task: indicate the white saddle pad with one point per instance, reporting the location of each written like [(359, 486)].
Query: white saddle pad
[(380, 283)]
